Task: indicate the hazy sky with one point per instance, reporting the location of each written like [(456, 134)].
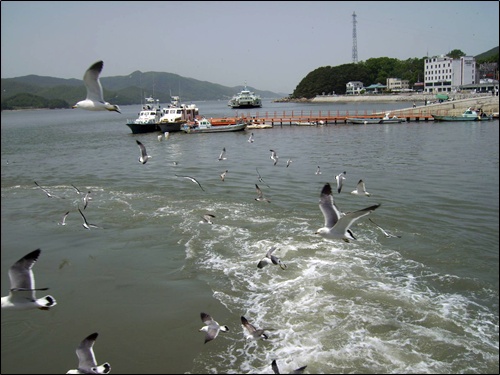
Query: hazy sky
[(270, 45)]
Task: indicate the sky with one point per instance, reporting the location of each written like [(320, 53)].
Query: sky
[(269, 45)]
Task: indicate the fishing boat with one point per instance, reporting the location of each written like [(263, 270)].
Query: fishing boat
[(204, 126), (245, 99), (176, 114), (308, 123), (468, 115), (391, 120), (148, 118)]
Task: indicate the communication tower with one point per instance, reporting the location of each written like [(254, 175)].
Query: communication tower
[(354, 41)]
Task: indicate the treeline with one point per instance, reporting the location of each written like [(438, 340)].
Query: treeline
[(30, 101), (333, 79)]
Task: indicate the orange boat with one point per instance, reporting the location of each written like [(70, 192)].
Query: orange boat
[(224, 121)]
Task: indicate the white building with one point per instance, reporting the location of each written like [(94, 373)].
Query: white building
[(397, 84), (445, 74), (353, 87)]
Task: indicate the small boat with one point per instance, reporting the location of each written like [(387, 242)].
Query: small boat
[(391, 120), (359, 120), (259, 126), (176, 115), (308, 123), (223, 121), (245, 99), (468, 115), (204, 126)]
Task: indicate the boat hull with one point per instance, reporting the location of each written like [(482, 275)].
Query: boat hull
[(143, 128), (171, 126), (453, 118), (364, 120), (215, 129)]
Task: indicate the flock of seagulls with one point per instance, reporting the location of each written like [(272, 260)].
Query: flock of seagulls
[(337, 226)]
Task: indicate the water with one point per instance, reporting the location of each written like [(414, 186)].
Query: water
[(423, 303)]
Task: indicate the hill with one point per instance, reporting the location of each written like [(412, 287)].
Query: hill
[(124, 90)]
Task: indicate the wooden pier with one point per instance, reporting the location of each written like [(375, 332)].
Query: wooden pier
[(331, 117)]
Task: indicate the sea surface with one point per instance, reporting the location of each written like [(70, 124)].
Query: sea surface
[(426, 302)]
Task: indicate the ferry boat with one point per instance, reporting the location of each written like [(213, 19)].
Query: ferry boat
[(245, 99), (175, 115)]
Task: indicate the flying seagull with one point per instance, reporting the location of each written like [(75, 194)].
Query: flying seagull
[(274, 157), (250, 139), (337, 224), (85, 223), (318, 171), (300, 370), (192, 179), (253, 332), (270, 258), (86, 199), (288, 162), (260, 178), (207, 218), (63, 221), (221, 156), (50, 195), (144, 155), (340, 178), (223, 175), (77, 190), (387, 234), (95, 99), (22, 295), (360, 189), (211, 328), (260, 195), (87, 363)]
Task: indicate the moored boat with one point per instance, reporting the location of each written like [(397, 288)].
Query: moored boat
[(468, 115), (360, 120), (204, 126), (245, 99), (176, 114), (148, 118), (391, 120)]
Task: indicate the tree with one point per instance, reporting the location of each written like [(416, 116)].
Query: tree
[(456, 54)]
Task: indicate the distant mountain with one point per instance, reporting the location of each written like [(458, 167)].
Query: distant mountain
[(123, 90), (488, 54)]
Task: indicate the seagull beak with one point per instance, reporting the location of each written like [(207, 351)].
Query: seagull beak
[(73, 107)]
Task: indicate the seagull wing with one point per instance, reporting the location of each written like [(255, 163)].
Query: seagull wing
[(275, 367), (144, 154), (345, 222), (21, 273), (92, 82), (327, 206), (85, 353)]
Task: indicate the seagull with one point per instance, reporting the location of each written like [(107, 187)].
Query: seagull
[(223, 175), (260, 195), (318, 171), (340, 178), (192, 179), (253, 332), (144, 155), (270, 258), (337, 224), (212, 328), (160, 137), (221, 156), (95, 99), (47, 192), (300, 370), (250, 139), (288, 162), (260, 178), (77, 190), (207, 218), (167, 135), (22, 295), (360, 189), (86, 224), (273, 156), (86, 199), (387, 234), (87, 363), (63, 221)]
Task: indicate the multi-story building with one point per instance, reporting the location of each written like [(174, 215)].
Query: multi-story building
[(397, 84), (445, 74)]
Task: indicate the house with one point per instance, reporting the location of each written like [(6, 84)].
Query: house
[(375, 88), (353, 88)]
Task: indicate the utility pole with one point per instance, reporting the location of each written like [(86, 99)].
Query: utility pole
[(354, 40)]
